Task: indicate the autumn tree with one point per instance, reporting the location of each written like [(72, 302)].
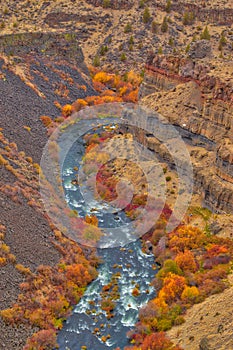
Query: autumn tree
[(186, 261), (190, 294), (67, 110), (157, 341), (173, 286)]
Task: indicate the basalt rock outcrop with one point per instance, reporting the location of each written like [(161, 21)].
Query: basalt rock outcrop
[(202, 11), (114, 4), (192, 96)]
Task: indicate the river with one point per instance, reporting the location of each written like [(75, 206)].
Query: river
[(134, 268)]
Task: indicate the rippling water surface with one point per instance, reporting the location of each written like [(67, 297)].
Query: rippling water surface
[(134, 267), (78, 329)]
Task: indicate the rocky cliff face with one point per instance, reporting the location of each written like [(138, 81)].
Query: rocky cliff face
[(114, 4), (202, 10), (200, 104)]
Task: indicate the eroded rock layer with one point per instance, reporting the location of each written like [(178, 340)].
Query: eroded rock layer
[(191, 95), (202, 10)]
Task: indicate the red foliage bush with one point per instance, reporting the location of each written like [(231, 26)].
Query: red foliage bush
[(157, 341), (42, 340)]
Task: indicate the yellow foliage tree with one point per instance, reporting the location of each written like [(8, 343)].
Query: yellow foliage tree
[(190, 294)]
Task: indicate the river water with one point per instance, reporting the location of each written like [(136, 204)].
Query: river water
[(77, 330), (134, 268)]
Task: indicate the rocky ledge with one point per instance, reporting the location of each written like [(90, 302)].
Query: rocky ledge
[(202, 10)]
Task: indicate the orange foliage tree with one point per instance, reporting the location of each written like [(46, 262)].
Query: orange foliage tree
[(186, 261), (157, 341), (173, 286), (67, 110)]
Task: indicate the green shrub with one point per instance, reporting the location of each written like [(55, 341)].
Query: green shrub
[(168, 6), (96, 61), (146, 15), (164, 25), (103, 50), (205, 34), (160, 50), (179, 320), (123, 57), (131, 40), (106, 3), (171, 42), (164, 325), (141, 4), (169, 266), (128, 28), (188, 18)]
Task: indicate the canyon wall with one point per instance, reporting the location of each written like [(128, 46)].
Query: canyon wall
[(203, 12), (64, 45), (192, 96)]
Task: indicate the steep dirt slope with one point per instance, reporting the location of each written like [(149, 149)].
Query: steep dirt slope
[(31, 81), (207, 325)]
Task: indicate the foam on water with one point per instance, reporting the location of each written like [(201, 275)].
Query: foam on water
[(135, 268)]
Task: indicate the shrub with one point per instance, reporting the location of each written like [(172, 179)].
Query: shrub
[(128, 28), (190, 294), (135, 292), (146, 15), (168, 6), (164, 325), (187, 48), (79, 104), (169, 266), (106, 3), (45, 339), (156, 341), (96, 61), (171, 42), (187, 237), (103, 50), (131, 40), (205, 34), (188, 18), (214, 250), (160, 50), (186, 261), (173, 286), (179, 320), (164, 25), (141, 4), (3, 261), (103, 78), (46, 120), (67, 110), (24, 270), (123, 57)]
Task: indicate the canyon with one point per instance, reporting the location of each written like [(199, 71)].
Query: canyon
[(195, 99), (45, 50)]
